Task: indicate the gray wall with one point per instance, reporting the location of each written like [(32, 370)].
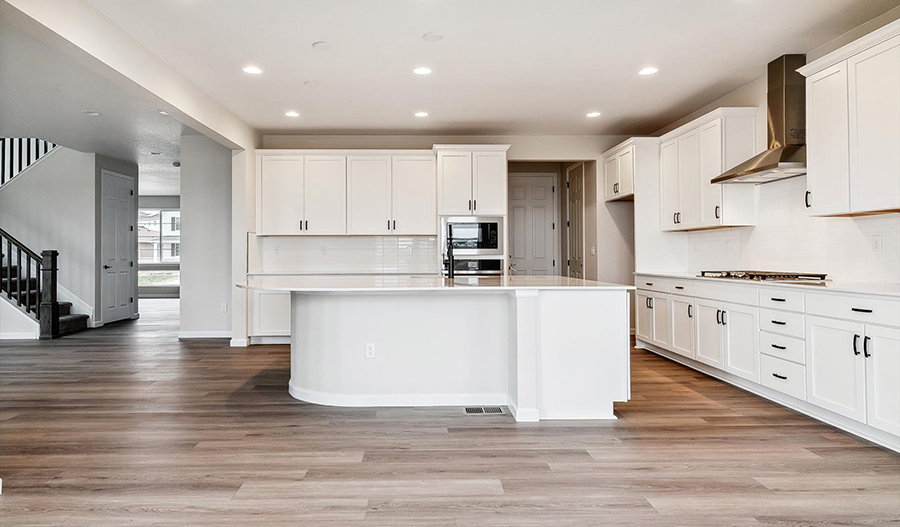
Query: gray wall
[(159, 202), (205, 238)]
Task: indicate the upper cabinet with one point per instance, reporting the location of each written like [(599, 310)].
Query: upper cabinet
[(853, 127), (622, 163), (471, 179), (693, 154), (361, 193)]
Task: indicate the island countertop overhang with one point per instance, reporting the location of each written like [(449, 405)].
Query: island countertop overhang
[(403, 283)]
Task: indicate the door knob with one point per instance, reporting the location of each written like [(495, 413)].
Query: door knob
[(107, 266)]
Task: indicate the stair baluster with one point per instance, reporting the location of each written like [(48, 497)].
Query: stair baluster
[(39, 288)]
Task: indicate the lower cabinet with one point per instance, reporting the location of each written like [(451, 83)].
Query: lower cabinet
[(270, 314), (659, 305), (740, 326), (644, 317), (882, 345), (709, 332), (682, 326)]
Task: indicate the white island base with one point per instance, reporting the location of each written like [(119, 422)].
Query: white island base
[(547, 347)]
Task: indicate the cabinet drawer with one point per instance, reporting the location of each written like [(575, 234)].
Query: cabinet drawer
[(781, 299), (783, 376), (787, 348), (858, 308), (681, 287), (652, 283), (783, 322), (738, 294)]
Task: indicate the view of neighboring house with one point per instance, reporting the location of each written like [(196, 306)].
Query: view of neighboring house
[(159, 242)]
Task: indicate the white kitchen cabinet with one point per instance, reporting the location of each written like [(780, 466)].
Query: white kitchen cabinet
[(644, 317), (472, 179), (709, 332), (853, 127), (270, 314), (682, 326), (414, 196), (626, 173), (325, 195), (611, 176), (369, 195), (280, 191), (835, 367), (881, 349), (691, 156), (741, 340), (634, 158), (660, 307)]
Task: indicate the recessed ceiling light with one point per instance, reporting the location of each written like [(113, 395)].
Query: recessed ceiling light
[(421, 114), (311, 84), (292, 113), (649, 70), (593, 114), (432, 37), (321, 45), (92, 113), (422, 71), (155, 153), (252, 70), (162, 112)]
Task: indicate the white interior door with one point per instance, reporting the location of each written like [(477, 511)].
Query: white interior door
[(575, 221), (882, 345), (369, 195), (414, 199), (741, 340), (325, 195), (532, 214), (835, 367), (117, 243)]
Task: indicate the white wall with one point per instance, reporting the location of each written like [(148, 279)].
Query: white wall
[(52, 205), (206, 223)]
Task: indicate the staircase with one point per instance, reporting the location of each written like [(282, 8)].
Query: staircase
[(28, 281), (18, 153)]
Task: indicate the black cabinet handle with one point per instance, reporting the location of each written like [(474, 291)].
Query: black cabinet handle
[(395, 225), (779, 323), (651, 302), (470, 204), (307, 224), (776, 346), (474, 204), (778, 299), (647, 302), (678, 215), (860, 310), (806, 198), (866, 346), (855, 343), (724, 322), (679, 287), (717, 212), (389, 224), (301, 225), (718, 316), (674, 217), (690, 311), (782, 377)]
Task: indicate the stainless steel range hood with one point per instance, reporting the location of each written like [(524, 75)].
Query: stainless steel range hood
[(786, 101)]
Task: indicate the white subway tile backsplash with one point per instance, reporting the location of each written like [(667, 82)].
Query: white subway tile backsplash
[(786, 238), (347, 254)]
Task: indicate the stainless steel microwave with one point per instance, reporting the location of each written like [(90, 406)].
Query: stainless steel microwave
[(472, 235)]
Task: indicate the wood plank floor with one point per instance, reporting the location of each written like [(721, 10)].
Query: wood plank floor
[(126, 425)]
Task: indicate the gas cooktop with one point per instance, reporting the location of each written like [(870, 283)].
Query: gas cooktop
[(765, 276)]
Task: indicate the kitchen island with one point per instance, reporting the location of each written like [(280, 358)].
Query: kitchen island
[(548, 347)]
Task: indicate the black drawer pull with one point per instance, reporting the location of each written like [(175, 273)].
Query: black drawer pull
[(782, 377), (860, 310), (649, 283), (778, 299), (779, 323), (679, 287), (776, 346)]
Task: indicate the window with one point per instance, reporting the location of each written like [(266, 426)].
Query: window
[(175, 223), (175, 250), (159, 236)]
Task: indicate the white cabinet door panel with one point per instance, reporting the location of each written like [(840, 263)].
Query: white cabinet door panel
[(689, 180), (710, 167), (835, 373), (280, 195), (644, 329), (611, 171), (626, 172), (414, 195), (741, 341), (682, 326), (668, 185), (660, 307), (883, 378), (489, 195), (271, 314), (828, 142), (709, 332), (369, 195), (325, 195), (874, 116), (454, 183)]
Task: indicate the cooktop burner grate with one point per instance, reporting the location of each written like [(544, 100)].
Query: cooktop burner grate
[(764, 275)]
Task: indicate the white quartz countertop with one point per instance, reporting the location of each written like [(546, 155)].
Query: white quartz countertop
[(868, 288), (395, 283)]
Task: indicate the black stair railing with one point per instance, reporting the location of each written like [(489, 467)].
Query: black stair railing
[(29, 280)]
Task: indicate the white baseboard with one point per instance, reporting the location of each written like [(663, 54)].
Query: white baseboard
[(270, 340), (185, 335), (402, 399), (522, 415), (239, 343), (79, 306), (838, 421), (4, 335)]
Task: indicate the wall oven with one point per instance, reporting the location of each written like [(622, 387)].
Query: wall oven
[(472, 235)]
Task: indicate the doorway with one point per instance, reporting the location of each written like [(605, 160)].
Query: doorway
[(118, 282), (575, 220), (532, 224)]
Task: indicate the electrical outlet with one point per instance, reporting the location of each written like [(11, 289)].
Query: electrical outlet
[(277, 250), (593, 250), (224, 307), (370, 350), (324, 249), (877, 243)]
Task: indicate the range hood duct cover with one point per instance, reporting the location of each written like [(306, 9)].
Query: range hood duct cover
[(786, 106)]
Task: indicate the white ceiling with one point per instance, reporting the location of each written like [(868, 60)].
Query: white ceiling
[(43, 93), (503, 66)]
